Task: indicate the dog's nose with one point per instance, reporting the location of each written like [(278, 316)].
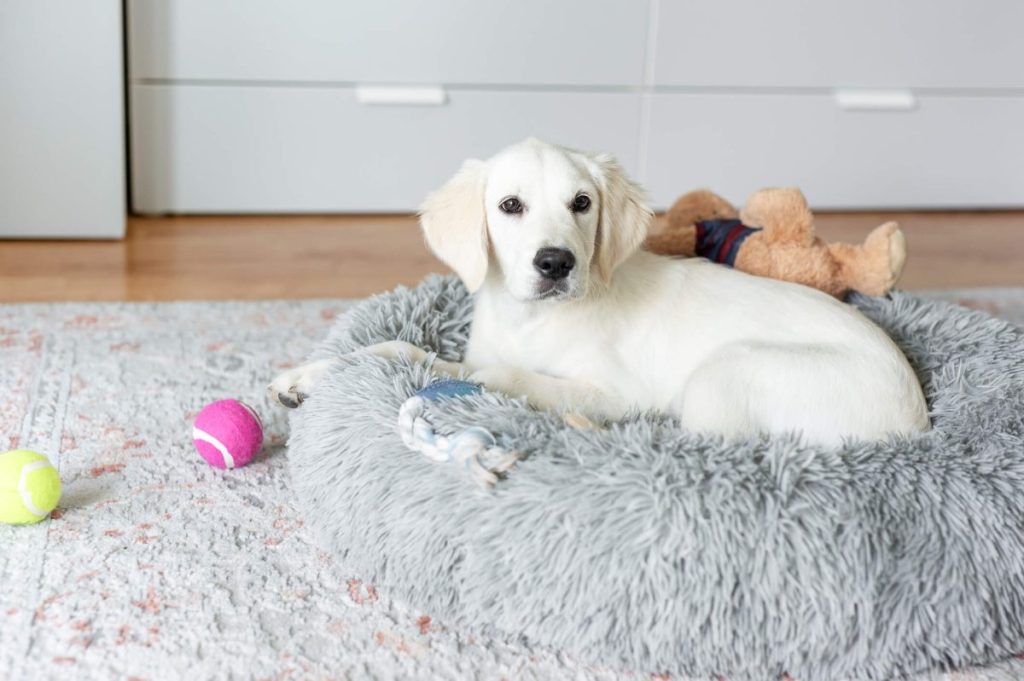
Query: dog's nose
[(554, 263)]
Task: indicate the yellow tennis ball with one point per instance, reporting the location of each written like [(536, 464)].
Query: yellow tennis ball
[(29, 487)]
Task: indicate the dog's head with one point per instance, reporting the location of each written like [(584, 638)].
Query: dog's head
[(540, 219)]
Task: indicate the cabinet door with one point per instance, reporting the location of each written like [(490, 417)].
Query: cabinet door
[(62, 127), (211, 149), (832, 43), (925, 157), (527, 42)]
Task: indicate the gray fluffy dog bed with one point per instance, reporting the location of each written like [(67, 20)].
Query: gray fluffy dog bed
[(650, 548)]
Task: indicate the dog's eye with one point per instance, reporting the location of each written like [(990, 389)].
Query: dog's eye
[(581, 203), (511, 205)]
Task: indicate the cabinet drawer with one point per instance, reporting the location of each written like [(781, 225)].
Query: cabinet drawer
[(390, 41), (947, 152), (209, 149), (870, 43)]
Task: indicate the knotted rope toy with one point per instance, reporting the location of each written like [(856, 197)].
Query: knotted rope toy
[(474, 449)]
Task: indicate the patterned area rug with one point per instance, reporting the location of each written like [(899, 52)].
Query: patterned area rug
[(156, 566)]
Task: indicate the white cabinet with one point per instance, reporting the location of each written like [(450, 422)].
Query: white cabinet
[(62, 131), (220, 149), (255, 105), (962, 44), (943, 152), (523, 42)]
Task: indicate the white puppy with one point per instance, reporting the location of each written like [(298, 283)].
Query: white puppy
[(571, 315)]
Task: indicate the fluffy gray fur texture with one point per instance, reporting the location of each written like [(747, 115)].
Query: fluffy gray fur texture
[(648, 547)]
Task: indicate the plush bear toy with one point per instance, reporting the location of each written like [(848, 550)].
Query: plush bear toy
[(773, 236)]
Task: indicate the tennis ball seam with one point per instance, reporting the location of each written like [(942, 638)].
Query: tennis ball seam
[(202, 435), (26, 493), (253, 412)]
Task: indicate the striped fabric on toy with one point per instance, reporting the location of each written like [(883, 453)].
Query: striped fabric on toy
[(719, 240)]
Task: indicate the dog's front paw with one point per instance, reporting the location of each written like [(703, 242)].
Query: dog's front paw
[(501, 379), (292, 387), (396, 349), (285, 389), (577, 420)]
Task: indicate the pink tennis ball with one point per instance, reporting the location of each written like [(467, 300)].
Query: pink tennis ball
[(227, 433)]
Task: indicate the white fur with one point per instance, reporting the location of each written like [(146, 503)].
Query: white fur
[(727, 352)]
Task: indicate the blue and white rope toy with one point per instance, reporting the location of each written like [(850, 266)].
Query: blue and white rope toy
[(473, 448)]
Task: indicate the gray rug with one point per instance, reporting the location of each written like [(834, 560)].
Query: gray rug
[(158, 567), (647, 547)]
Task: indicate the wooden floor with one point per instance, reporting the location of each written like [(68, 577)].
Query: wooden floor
[(351, 256)]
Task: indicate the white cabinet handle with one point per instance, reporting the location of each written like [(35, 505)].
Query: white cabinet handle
[(875, 100), (413, 95)]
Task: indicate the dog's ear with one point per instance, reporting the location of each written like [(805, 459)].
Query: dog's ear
[(455, 224), (624, 218)]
